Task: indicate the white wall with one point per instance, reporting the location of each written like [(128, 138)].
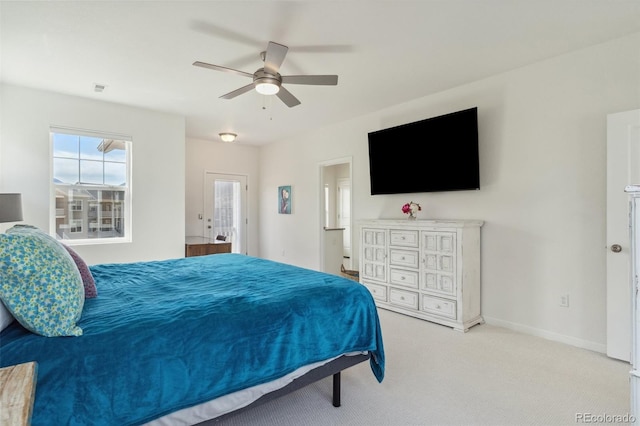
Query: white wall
[(219, 157), (542, 135), (158, 166)]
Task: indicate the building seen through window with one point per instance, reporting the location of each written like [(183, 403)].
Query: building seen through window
[(91, 187)]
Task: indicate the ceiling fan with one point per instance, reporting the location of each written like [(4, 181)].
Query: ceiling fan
[(268, 81)]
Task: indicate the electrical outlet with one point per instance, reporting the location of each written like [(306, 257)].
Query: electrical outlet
[(564, 300)]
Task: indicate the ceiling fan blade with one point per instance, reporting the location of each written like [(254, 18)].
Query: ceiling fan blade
[(238, 92), (274, 57), (318, 80), (286, 97), (220, 68)]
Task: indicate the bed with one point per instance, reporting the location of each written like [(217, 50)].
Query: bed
[(181, 341)]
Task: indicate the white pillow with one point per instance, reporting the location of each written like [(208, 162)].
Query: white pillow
[(5, 317)]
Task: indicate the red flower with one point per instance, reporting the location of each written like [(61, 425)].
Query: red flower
[(411, 208)]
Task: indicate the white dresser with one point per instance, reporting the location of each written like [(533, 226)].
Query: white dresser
[(428, 269)]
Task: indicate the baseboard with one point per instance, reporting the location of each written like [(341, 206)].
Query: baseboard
[(549, 335)]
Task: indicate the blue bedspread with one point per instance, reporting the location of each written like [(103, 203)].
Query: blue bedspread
[(166, 335)]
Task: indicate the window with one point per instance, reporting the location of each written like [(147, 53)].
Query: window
[(91, 186)]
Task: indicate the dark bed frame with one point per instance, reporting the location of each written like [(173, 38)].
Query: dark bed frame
[(332, 368)]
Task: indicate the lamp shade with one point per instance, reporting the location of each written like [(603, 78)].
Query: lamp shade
[(10, 208)]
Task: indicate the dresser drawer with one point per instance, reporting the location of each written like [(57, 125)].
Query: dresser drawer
[(404, 238), (407, 258), (379, 292), (437, 306), (406, 299), (404, 278)]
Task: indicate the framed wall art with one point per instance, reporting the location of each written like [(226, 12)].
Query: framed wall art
[(284, 199)]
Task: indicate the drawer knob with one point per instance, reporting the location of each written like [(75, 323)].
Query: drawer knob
[(438, 307), (402, 277), (401, 297)]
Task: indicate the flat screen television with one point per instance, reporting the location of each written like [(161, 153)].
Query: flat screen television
[(431, 155)]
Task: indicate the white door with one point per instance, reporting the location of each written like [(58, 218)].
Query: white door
[(623, 168), (344, 214), (225, 201)]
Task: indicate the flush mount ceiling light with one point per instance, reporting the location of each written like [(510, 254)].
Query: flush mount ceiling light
[(228, 137)]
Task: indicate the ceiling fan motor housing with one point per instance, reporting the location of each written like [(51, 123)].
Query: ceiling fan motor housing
[(263, 77)]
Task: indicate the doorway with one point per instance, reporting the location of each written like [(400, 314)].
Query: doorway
[(225, 207), (335, 204)]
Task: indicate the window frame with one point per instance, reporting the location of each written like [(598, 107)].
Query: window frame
[(127, 189)]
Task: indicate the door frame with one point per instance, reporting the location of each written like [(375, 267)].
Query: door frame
[(321, 168)]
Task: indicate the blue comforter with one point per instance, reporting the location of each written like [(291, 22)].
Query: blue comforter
[(166, 335)]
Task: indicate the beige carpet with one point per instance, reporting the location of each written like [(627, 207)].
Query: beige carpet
[(437, 376)]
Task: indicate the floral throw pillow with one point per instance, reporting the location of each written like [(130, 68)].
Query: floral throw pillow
[(39, 283)]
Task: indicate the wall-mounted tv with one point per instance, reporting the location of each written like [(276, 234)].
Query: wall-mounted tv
[(431, 155)]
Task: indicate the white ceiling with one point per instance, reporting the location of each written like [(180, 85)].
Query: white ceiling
[(384, 52)]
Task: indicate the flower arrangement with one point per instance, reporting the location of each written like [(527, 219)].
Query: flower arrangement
[(411, 209)]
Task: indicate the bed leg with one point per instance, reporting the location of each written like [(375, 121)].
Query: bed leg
[(336, 389)]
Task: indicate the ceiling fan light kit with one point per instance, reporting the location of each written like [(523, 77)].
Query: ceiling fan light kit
[(268, 81), (228, 137), (265, 83), (267, 88)]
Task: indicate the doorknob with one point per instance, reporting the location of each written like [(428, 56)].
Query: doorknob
[(616, 248)]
